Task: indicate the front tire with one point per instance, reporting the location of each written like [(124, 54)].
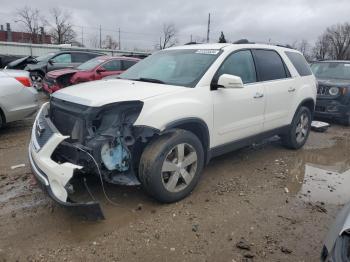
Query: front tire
[(171, 165), (37, 80), (299, 130)]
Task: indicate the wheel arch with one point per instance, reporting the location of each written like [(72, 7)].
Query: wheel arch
[(309, 103), (198, 127)]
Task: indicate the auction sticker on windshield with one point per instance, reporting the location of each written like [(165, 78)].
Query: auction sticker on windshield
[(207, 51)]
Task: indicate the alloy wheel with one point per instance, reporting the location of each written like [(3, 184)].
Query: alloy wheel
[(179, 167), (302, 129)]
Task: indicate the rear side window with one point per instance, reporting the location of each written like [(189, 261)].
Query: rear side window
[(128, 63), (269, 65), (240, 64), (81, 57), (300, 64)]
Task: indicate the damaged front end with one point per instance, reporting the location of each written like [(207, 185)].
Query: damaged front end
[(72, 141)]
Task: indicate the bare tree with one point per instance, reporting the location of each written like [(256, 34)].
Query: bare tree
[(109, 43), (339, 38), (322, 48), (32, 21), (304, 47), (168, 38), (61, 29)]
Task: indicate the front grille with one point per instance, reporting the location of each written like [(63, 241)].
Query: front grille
[(323, 90), (68, 117), (42, 130), (320, 109)]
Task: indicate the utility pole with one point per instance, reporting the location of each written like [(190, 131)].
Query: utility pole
[(82, 36), (208, 32), (120, 43), (100, 37), (160, 43)]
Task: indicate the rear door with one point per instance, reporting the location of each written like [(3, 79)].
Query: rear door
[(238, 113), (280, 88)]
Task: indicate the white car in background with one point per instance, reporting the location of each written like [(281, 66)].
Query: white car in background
[(18, 99), (162, 121)]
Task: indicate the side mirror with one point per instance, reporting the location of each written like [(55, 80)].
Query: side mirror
[(100, 70), (51, 62), (230, 81)]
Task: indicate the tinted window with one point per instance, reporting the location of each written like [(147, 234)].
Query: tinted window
[(113, 65), (127, 64), (269, 65), (299, 63), (80, 57), (63, 58), (239, 64)]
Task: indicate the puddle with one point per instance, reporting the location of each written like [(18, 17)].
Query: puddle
[(327, 184), (322, 175)]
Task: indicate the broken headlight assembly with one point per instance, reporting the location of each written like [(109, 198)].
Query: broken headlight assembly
[(111, 135)]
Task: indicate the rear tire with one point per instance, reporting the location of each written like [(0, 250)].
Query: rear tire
[(299, 130), (171, 165)]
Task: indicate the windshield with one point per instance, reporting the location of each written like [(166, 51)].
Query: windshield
[(44, 58), (173, 67), (91, 64), (333, 70)]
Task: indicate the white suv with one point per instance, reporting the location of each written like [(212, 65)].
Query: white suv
[(162, 121)]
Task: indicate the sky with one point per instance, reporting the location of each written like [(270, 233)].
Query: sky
[(141, 22)]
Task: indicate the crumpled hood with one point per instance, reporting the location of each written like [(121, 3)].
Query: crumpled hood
[(57, 73), (334, 82), (102, 92)]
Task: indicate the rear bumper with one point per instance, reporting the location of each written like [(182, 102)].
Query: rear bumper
[(328, 108), (54, 177)]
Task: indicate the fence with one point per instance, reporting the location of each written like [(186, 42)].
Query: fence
[(24, 49)]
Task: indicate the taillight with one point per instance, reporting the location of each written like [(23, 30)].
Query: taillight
[(24, 80)]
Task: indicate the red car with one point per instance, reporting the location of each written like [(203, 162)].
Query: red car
[(94, 69)]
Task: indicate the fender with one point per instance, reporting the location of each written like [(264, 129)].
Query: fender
[(196, 126)]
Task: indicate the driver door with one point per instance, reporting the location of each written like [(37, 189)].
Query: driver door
[(238, 112), (113, 67), (60, 61)]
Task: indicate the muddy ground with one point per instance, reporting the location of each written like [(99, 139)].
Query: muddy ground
[(262, 203)]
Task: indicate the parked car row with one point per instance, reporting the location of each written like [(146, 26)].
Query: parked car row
[(94, 69), (40, 66)]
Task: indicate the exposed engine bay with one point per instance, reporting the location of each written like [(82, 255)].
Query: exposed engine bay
[(101, 136)]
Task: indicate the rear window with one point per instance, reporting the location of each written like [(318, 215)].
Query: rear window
[(300, 64), (269, 65)]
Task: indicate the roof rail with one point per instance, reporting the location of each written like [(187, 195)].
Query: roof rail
[(246, 41)]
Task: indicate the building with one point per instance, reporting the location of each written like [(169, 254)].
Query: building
[(7, 35)]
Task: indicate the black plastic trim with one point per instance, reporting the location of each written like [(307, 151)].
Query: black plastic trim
[(231, 146)]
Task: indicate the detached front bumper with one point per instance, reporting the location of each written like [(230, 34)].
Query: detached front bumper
[(52, 175)]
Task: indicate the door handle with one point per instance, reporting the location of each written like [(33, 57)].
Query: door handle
[(259, 95), (291, 89)]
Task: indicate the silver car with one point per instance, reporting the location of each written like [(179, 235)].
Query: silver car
[(337, 243), (18, 99)]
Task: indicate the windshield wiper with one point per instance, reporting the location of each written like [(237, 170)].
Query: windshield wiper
[(151, 80)]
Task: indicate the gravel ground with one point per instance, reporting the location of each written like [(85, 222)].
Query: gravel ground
[(261, 203)]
